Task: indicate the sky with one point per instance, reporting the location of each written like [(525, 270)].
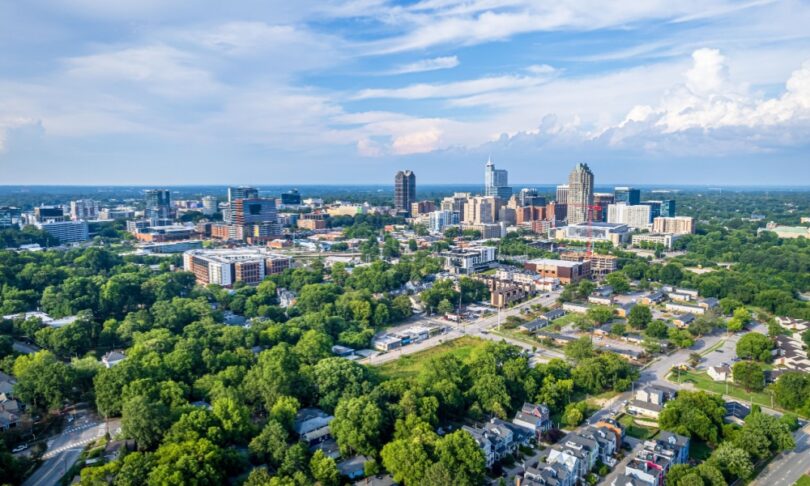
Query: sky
[(319, 91)]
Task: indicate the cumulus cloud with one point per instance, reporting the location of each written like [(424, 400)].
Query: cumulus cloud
[(709, 99)]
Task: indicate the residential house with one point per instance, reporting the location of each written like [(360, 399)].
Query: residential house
[(312, 425), (684, 320), (623, 310), (600, 299), (575, 307), (536, 418), (533, 326), (653, 298), (498, 439), (547, 475), (719, 373), (649, 401), (353, 467), (112, 358), (685, 308)]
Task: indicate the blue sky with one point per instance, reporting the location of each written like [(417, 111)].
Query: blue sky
[(274, 91)]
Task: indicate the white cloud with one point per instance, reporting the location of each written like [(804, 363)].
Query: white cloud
[(434, 64), (454, 89)]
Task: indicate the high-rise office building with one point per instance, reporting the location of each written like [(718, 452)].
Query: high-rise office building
[(528, 197), (665, 208), (158, 204), (9, 216), (562, 194), (496, 181), (680, 225), (636, 216), (210, 205), (602, 200), (291, 197), (627, 195), (456, 202), (580, 194), (242, 192), (44, 214), (481, 210), (404, 191), (83, 209)]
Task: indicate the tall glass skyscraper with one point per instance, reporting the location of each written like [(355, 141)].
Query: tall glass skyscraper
[(580, 194), (496, 181), (627, 195), (404, 191)]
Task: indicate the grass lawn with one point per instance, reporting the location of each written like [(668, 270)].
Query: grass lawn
[(803, 481), (633, 429), (409, 366), (704, 382)]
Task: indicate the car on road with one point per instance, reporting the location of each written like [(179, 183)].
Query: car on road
[(718, 350), (20, 448)]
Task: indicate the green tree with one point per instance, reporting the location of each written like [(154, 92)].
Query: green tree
[(324, 469), (42, 380), (640, 317), (357, 425), (574, 414), (732, 460), (657, 329), (755, 346), (619, 282), (694, 414), (749, 375), (194, 462), (580, 349), (445, 307), (600, 314), (792, 390), (680, 337), (271, 444), (463, 459), (144, 420), (338, 377)]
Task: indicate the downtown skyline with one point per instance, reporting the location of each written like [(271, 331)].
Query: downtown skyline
[(162, 93)]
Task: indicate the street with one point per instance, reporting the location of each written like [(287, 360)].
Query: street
[(65, 448), (789, 466)]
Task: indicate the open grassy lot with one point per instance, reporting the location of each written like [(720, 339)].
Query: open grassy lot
[(410, 365), (633, 429), (704, 382), (803, 481)]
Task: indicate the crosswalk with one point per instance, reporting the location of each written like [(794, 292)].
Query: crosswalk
[(77, 443)]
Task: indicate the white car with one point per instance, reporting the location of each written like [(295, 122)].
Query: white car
[(20, 448)]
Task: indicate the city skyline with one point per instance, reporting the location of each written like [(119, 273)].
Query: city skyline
[(713, 92)]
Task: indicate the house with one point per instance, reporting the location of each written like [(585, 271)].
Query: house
[(709, 303), (576, 308), (653, 298), (600, 300), (115, 448), (607, 440), (685, 308), (498, 439), (353, 467), (653, 461), (342, 351), (536, 418), (312, 425), (533, 326), (684, 320), (649, 401), (112, 358), (586, 450), (550, 475), (553, 314), (789, 352), (556, 338), (736, 412), (719, 373), (623, 310)]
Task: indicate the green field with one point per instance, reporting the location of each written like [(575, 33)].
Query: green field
[(410, 365), (704, 382), (633, 429), (803, 481)]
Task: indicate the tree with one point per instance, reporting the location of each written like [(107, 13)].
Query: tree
[(144, 420), (313, 347), (656, 329), (324, 469), (694, 414), (580, 349), (574, 414), (792, 390), (680, 337), (732, 460), (671, 274), (276, 374), (42, 380), (764, 435), (409, 458), (234, 418), (619, 282), (445, 307), (194, 462), (463, 459), (695, 359), (749, 375), (740, 318), (600, 314), (357, 425), (755, 346), (640, 317), (729, 304), (412, 246), (337, 377), (270, 445)]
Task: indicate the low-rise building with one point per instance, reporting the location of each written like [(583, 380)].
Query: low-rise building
[(649, 401), (647, 239), (719, 373), (575, 307), (312, 425), (469, 260), (112, 358), (227, 266), (685, 308), (565, 271)]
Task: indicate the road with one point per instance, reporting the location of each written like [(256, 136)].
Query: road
[(478, 328), (789, 466), (65, 448), (24, 348)]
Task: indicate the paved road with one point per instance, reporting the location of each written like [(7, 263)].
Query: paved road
[(24, 348), (789, 466), (64, 449)]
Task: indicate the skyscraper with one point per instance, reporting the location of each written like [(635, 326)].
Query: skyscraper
[(158, 204), (627, 195), (242, 192), (528, 197), (404, 191), (496, 181), (580, 194)]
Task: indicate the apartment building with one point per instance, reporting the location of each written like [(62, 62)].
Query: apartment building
[(227, 266)]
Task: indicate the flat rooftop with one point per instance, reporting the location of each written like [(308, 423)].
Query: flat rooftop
[(551, 261)]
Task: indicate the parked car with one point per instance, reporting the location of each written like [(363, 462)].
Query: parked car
[(20, 448)]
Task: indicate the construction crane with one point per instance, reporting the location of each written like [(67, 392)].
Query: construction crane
[(592, 210)]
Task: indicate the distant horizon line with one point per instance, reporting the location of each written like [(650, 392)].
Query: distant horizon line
[(446, 184)]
